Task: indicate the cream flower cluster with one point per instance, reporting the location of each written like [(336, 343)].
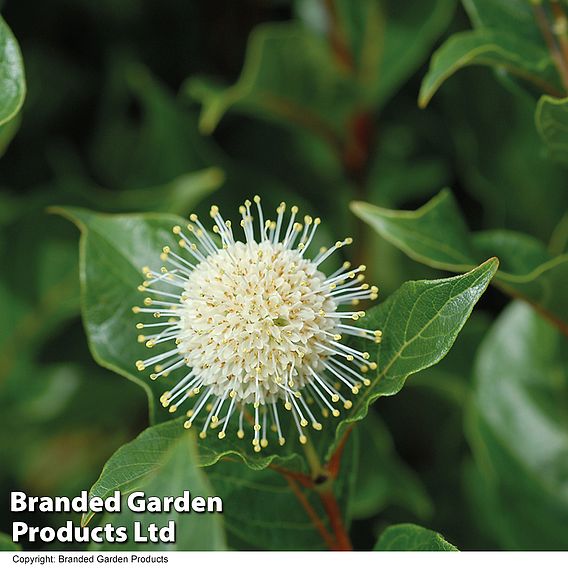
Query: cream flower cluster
[(255, 324)]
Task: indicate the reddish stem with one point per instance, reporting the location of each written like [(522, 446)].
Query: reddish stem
[(342, 540), (312, 514)]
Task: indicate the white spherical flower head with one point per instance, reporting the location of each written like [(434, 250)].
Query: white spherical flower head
[(256, 324), (252, 315)]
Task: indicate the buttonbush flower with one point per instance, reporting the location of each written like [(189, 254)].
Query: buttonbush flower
[(255, 325)]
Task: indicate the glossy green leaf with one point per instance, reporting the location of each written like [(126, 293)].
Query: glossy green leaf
[(420, 323), (161, 461), (261, 512), (383, 479), (7, 544), (518, 430), (436, 235), (552, 123), (12, 80), (113, 250), (408, 537), (496, 49)]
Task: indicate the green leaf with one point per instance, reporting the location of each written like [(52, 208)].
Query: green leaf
[(496, 49), (436, 235), (406, 537), (7, 544), (518, 429), (289, 76), (514, 16), (161, 461), (383, 479), (12, 80), (113, 250), (420, 323), (551, 118), (261, 512)]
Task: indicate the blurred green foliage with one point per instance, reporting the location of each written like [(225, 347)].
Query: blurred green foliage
[(138, 107)]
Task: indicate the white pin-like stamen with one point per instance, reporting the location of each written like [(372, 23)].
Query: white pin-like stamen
[(257, 323)]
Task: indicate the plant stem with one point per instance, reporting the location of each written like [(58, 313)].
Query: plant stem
[(312, 514), (342, 540)]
